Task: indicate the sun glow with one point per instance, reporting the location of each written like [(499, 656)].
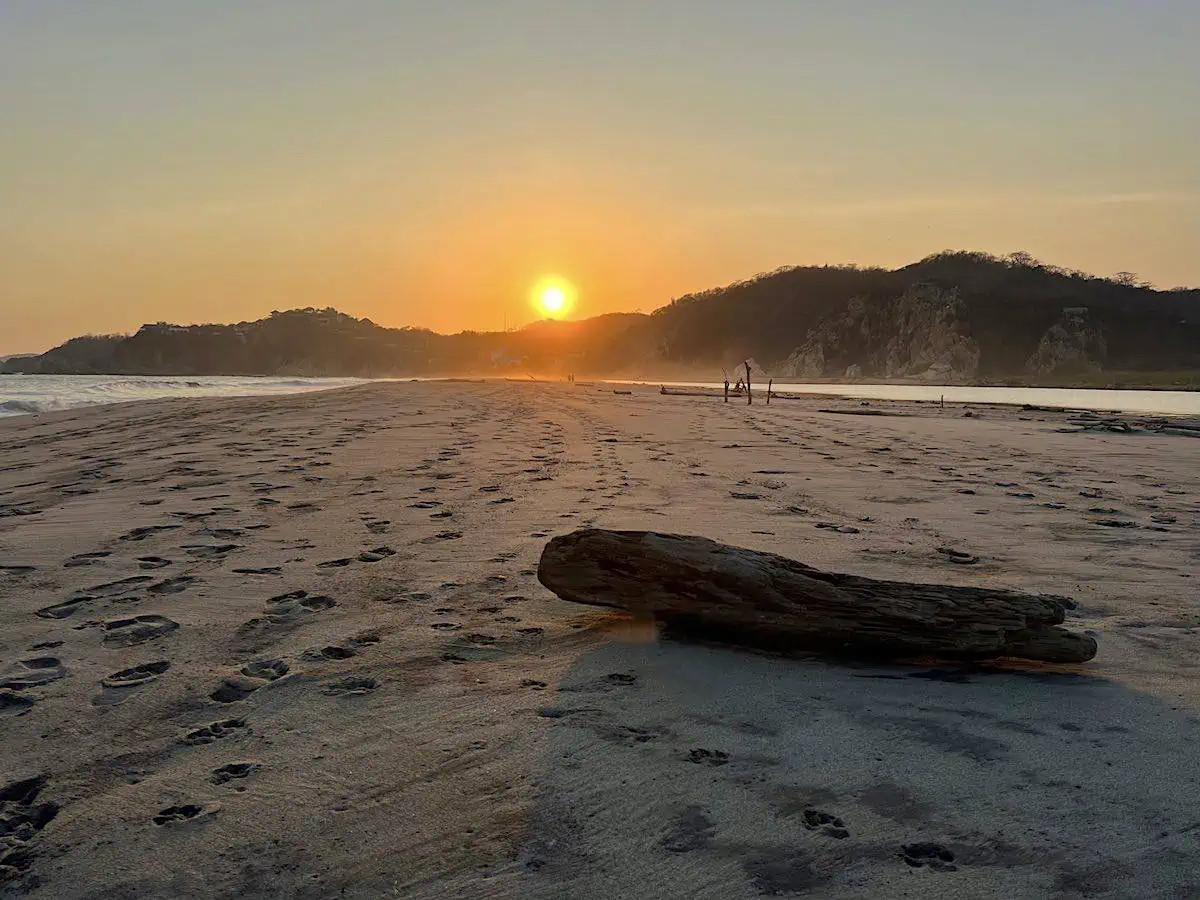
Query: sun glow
[(553, 298)]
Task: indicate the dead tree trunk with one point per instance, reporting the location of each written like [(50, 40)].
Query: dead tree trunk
[(770, 382), (700, 587), (726, 374), (749, 396)]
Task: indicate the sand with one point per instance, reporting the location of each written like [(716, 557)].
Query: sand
[(295, 647)]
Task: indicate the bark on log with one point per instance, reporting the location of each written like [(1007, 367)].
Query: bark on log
[(698, 586)]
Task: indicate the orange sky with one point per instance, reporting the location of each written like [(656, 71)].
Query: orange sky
[(421, 165)]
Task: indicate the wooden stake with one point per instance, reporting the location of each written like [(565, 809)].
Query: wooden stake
[(749, 396)]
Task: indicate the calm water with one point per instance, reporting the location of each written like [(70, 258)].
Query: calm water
[(27, 394), (1167, 403)]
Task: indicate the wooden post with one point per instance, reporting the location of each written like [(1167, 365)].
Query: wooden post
[(770, 381), (726, 374), (749, 396)]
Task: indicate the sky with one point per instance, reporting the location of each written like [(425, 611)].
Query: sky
[(426, 162)]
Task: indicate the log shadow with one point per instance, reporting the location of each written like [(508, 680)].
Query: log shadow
[(678, 769)]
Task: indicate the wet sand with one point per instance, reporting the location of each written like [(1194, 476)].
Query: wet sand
[(295, 647)]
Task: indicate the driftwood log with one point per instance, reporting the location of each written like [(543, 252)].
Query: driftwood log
[(697, 586)]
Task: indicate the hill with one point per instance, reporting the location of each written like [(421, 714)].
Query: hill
[(953, 317)]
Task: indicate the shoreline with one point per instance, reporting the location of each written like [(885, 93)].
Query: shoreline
[(1129, 380), (786, 391)]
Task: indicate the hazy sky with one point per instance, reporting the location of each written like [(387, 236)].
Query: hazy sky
[(426, 162)]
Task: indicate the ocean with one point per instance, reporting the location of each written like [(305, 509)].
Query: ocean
[(28, 394)]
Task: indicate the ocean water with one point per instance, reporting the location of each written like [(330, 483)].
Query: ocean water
[(27, 394), (1163, 403)]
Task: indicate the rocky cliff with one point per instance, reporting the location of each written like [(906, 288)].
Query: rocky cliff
[(1073, 344), (924, 333)]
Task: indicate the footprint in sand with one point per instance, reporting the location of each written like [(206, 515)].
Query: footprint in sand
[(136, 630), (214, 731), (330, 652), (140, 534), (826, 823), (442, 536), (172, 585), (14, 705), (350, 687), (221, 533), (287, 609), (261, 570), (692, 830), (923, 854), (335, 563), (234, 690), (115, 588), (34, 672), (62, 610), (234, 771), (177, 815), (86, 559), (379, 553), (702, 757), (152, 562), (265, 669), (210, 551), (958, 557), (136, 675), (21, 818), (840, 529)]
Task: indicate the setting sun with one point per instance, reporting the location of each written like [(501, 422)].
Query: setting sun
[(553, 298)]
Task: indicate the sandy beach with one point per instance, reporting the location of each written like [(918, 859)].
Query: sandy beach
[(296, 647)]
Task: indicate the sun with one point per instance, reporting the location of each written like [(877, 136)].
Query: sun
[(553, 297)]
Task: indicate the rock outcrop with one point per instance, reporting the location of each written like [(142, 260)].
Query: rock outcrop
[(921, 334), (1073, 344), (929, 338), (698, 586)]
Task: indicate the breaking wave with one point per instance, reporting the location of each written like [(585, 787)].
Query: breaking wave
[(23, 395)]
